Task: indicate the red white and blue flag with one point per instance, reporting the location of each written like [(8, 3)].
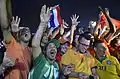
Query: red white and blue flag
[(55, 19)]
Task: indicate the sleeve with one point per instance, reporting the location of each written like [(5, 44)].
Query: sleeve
[(39, 59), (117, 66), (66, 59), (93, 64)]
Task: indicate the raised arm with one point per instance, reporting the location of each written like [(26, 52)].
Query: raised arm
[(4, 22), (60, 29), (44, 17), (54, 34), (73, 28), (112, 27)]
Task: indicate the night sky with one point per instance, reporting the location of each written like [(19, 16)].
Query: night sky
[(29, 10)]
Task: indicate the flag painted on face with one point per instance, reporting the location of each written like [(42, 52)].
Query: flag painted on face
[(55, 19)]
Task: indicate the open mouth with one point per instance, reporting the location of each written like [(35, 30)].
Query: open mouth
[(52, 52), (26, 35)]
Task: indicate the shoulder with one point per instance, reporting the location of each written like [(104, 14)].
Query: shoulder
[(40, 59), (112, 59)]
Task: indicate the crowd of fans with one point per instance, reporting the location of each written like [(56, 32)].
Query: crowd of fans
[(58, 53)]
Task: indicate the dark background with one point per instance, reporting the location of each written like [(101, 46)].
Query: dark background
[(29, 10)]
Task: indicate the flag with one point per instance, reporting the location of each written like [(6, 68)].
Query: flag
[(55, 19), (116, 22), (103, 22)]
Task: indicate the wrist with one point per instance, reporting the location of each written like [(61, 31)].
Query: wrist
[(2, 67), (44, 22)]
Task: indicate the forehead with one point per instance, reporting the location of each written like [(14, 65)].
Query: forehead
[(101, 46), (85, 41), (24, 30), (51, 45)]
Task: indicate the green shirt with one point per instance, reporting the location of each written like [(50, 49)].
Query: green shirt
[(44, 69)]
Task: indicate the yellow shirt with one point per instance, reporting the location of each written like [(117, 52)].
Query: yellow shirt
[(109, 68), (81, 62)]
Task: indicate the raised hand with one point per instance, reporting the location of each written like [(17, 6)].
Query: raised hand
[(45, 14), (7, 62), (15, 24), (74, 19), (82, 75), (68, 69), (63, 26)]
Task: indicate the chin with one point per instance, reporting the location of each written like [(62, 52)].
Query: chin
[(52, 58)]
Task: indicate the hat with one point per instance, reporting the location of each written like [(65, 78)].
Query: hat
[(56, 42)]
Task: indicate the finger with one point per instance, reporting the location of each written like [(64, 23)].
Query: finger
[(16, 19), (48, 10), (13, 18), (65, 24), (63, 21), (77, 17), (78, 22), (44, 9), (71, 66), (71, 18)]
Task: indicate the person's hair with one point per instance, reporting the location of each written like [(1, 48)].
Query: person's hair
[(96, 42), (65, 43), (112, 43), (30, 41), (21, 32), (56, 42), (86, 35)]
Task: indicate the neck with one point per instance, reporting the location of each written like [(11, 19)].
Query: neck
[(24, 43), (74, 48), (52, 61), (87, 53), (100, 57)]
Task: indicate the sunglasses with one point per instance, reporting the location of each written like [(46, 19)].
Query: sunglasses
[(83, 44)]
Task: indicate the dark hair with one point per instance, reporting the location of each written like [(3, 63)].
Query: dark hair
[(96, 42), (86, 35), (112, 43), (21, 32), (30, 41), (65, 43)]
